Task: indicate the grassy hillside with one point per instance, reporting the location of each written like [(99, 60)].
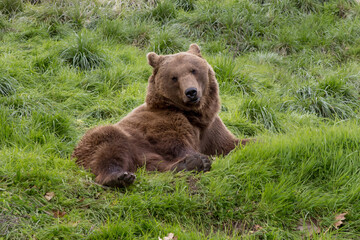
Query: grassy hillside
[(289, 75)]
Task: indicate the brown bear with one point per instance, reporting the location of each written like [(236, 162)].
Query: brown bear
[(177, 127)]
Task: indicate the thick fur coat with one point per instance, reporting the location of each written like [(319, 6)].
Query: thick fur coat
[(177, 127)]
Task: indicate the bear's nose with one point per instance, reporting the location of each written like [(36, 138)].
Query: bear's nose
[(191, 93)]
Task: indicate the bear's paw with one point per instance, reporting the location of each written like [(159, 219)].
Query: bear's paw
[(197, 162), (118, 179)]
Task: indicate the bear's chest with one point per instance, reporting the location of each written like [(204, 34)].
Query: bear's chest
[(172, 126), (164, 129)]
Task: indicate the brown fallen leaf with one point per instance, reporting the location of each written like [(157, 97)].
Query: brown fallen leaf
[(257, 227), (49, 195), (339, 218), (170, 236), (58, 213)]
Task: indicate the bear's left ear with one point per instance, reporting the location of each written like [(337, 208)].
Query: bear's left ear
[(153, 59), (194, 49)]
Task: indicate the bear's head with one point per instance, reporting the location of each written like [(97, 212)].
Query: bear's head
[(184, 80)]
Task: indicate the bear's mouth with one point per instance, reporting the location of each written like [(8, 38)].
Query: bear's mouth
[(194, 101)]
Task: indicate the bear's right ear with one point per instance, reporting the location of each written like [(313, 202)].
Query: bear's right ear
[(153, 59), (195, 49)]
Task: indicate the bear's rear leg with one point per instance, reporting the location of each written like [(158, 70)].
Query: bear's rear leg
[(113, 165), (106, 151)]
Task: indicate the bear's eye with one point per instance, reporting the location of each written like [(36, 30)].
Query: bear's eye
[(193, 71), (174, 79)]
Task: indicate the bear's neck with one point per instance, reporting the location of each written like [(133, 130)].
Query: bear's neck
[(201, 117)]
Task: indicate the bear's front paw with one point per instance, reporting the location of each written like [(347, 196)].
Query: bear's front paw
[(117, 179), (197, 162)]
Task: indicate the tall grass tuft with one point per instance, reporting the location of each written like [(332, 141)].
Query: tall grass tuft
[(83, 53), (8, 85), (11, 6), (268, 58), (214, 47), (241, 24), (301, 6), (4, 23), (225, 68), (337, 87), (76, 14), (259, 110), (43, 63), (102, 112), (82, 13), (309, 6), (205, 19), (167, 41), (7, 130), (57, 124), (115, 77), (318, 101), (164, 11), (186, 5), (228, 72), (126, 31), (240, 126)]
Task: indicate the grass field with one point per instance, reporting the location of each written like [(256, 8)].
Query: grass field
[(289, 75)]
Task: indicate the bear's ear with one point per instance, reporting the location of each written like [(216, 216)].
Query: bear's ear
[(194, 49), (153, 59)]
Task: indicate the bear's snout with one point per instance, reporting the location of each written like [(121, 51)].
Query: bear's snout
[(191, 93)]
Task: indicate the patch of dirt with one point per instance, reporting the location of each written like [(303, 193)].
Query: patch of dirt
[(193, 187)]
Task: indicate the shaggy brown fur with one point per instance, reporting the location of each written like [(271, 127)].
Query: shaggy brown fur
[(177, 127)]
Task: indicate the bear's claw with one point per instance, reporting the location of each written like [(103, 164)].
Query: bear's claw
[(119, 179), (197, 162)]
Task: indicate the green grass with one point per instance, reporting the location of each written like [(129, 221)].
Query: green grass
[(7, 86), (10, 7), (81, 52), (289, 76), (164, 11)]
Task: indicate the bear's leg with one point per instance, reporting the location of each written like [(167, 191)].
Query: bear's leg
[(191, 161), (106, 151), (217, 139), (113, 166)]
